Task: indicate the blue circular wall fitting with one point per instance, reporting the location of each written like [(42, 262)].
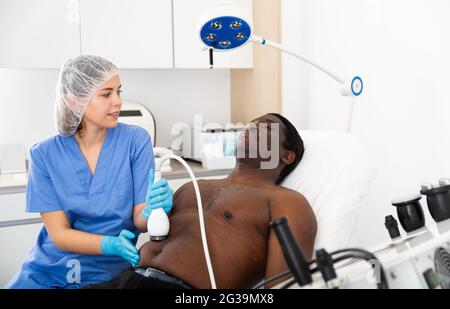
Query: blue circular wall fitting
[(357, 79), (226, 33)]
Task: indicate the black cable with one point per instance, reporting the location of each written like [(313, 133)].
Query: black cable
[(344, 257), (354, 250), (264, 282), (293, 281), (287, 272), (351, 253), (289, 284)]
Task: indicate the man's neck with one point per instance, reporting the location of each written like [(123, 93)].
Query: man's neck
[(251, 174)]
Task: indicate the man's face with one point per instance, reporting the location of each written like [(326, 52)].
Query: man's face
[(262, 141)]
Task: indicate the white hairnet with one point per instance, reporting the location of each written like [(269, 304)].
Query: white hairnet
[(79, 80)]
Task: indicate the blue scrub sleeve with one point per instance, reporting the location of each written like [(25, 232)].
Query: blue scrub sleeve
[(41, 195), (141, 164)]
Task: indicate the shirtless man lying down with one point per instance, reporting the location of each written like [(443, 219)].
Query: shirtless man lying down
[(237, 210)]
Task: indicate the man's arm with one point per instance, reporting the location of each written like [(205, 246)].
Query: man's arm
[(303, 224)]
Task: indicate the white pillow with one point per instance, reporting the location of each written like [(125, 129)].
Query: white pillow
[(334, 176)]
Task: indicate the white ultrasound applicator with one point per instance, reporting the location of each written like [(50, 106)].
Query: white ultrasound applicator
[(158, 224)]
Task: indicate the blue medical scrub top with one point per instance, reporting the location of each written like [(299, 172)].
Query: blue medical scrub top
[(60, 179)]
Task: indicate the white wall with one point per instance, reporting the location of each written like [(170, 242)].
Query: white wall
[(27, 100), (401, 49)]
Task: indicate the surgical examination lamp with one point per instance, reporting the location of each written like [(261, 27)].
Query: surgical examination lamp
[(226, 27)]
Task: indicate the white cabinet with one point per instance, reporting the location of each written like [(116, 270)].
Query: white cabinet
[(17, 236), (130, 33), (16, 242), (38, 33), (187, 44), (143, 34), (12, 208)]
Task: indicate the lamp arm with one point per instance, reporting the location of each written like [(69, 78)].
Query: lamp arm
[(262, 41), (346, 87)]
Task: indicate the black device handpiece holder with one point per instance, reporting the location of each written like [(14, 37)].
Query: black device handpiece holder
[(392, 227), (292, 252)]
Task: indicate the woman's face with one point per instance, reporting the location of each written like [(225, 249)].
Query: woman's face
[(104, 107)]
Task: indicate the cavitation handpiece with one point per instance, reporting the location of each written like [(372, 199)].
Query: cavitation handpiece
[(158, 224)]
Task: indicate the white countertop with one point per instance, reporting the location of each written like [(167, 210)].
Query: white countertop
[(14, 183), (8, 181)]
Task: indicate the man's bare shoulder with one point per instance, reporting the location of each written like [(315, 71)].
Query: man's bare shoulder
[(285, 195), (291, 203)]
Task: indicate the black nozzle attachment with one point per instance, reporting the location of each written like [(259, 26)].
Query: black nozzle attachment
[(410, 213), (325, 264), (291, 251), (438, 201), (392, 226)]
